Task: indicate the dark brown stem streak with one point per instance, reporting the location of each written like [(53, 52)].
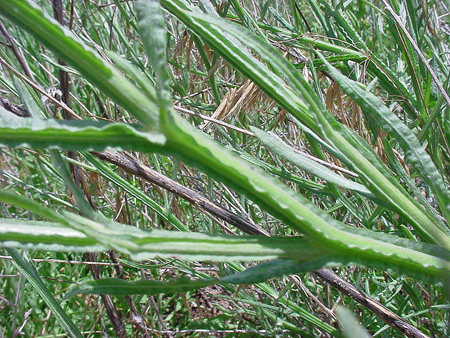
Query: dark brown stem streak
[(111, 310)]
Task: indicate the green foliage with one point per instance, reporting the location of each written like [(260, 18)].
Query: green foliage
[(390, 214)]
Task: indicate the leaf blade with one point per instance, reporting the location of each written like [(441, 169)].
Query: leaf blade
[(29, 16), (74, 135)]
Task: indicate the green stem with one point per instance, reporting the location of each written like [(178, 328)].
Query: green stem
[(293, 209)]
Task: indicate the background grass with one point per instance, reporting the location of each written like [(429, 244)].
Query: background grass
[(361, 40)]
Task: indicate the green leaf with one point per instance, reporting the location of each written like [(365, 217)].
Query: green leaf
[(143, 244), (26, 95), (409, 181), (277, 146), (414, 152), (74, 135), (120, 287), (131, 71), (27, 269), (87, 61), (315, 42), (47, 236), (151, 26), (23, 202), (350, 324), (276, 268)]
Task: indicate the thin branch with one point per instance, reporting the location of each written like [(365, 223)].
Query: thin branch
[(16, 51), (135, 167), (207, 118), (388, 316), (39, 89)]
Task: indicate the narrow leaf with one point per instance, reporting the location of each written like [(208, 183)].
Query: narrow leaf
[(275, 269), (87, 61), (277, 146), (151, 26), (120, 287), (350, 324), (134, 73), (27, 269), (414, 152), (74, 135), (47, 236), (143, 244)]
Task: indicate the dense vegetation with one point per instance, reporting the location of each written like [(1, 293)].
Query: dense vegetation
[(224, 168)]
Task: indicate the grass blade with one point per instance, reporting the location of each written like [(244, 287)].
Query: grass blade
[(414, 152), (27, 269), (47, 236), (280, 148), (74, 135), (352, 327), (119, 287), (151, 26), (86, 60), (142, 244)]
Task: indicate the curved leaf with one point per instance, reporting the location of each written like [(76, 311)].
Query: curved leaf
[(142, 244), (414, 152), (28, 15), (151, 26)]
